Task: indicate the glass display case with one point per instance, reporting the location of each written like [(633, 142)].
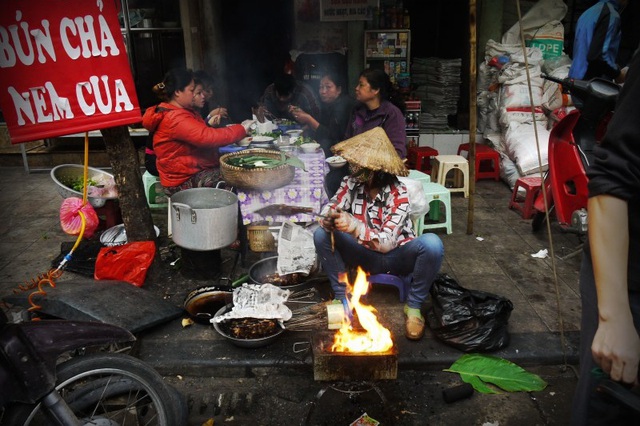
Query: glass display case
[(390, 50)]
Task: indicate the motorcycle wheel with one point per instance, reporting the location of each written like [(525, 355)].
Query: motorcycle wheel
[(111, 389)]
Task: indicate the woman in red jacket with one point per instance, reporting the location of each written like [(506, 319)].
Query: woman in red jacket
[(185, 147)]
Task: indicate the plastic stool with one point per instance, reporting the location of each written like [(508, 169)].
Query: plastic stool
[(436, 192), (531, 186), (109, 214), (418, 175), (487, 161), (417, 155), (402, 283), (153, 191), (443, 164)]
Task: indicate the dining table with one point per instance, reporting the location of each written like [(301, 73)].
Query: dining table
[(306, 190)]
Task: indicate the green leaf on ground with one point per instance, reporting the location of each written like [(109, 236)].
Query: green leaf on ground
[(479, 369)]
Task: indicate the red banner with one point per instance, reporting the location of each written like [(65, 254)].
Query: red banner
[(63, 68)]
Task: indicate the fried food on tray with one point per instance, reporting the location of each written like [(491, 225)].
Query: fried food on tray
[(250, 328), (283, 280)]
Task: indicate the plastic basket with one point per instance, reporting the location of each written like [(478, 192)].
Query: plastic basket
[(260, 238)]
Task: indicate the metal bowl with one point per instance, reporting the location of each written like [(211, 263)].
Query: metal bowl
[(244, 343), (68, 172), (268, 266), (204, 302)]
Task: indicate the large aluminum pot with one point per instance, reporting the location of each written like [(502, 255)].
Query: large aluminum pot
[(204, 218)]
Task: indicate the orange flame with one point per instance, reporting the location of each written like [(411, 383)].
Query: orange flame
[(375, 337)]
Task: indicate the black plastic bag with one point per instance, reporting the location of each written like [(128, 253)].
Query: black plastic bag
[(468, 320), (83, 259)]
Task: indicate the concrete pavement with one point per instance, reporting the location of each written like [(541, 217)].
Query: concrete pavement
[(496, 257)]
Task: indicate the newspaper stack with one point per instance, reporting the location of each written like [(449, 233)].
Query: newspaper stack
[(438, 87)]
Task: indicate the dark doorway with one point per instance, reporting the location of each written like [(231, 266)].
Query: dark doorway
[(257, 38)]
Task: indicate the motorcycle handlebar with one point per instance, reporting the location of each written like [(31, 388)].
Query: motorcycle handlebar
[(581, 88), (554, 79)]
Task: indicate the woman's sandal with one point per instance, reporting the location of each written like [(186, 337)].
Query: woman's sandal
[(414, 328)]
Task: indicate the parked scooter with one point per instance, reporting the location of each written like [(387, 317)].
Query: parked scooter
[(101, 388), (571, 142)]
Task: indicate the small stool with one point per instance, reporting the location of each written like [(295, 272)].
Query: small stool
[(418, 175), (153, 191), (401, 282), (109, 214), (531, 186), (435, 192), (443, 164), (417, 155), (487, 161)]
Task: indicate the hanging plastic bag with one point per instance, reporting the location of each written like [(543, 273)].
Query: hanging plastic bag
[(468, 320), (418, 204), (128, 262)]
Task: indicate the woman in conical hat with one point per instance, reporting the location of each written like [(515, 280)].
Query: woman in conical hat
[(367, 224)]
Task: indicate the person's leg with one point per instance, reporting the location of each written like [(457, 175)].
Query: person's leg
[(206, 178), (334, 261), (421, 257), (331, 260)]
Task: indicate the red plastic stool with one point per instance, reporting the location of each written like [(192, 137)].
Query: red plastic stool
[(416, 156), (487, 161), (531, 186), (110, 214)]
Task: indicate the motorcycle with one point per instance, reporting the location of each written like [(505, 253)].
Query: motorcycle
[(571, 142), (95, 388)]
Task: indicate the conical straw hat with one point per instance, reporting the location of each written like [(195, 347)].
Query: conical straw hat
[(372, 150)]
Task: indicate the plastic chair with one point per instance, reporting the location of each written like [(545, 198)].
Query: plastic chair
[(443, 164), (402, 283), (434, 193), (487, 161), (153, 191), (531, 186)]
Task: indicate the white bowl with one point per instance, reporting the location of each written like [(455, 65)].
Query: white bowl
[(244, 141), (310, 147), (262, 139), (294, 132), (336, 161)]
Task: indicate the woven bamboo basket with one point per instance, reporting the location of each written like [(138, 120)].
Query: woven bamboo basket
[(260, 238), (256, 179)]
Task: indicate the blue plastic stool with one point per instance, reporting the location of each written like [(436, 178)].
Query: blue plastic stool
[(401, 282)]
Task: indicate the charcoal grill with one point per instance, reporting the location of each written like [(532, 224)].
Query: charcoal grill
[(349, 366)]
